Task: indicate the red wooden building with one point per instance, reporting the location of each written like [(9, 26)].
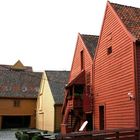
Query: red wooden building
[(117, 69), (78, 102)]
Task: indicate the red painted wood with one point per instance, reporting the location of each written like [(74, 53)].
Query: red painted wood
[(75, 71), (76, 65), (114, 75), (138, 83)]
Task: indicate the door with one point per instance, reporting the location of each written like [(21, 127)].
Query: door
[(90, 122), (101, 117), (15, 121)]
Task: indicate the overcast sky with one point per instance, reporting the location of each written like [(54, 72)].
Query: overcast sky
[(43, 33)]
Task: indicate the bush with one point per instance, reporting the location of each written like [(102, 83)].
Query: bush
[(24, 137), (45, 132), (18, 134), (37, 137)]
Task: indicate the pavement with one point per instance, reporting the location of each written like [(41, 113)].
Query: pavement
[(7, 135)]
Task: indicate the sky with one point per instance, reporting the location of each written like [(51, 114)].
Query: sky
[(43, 33)]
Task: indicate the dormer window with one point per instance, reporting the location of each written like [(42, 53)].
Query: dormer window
[(18, 66), (82, 59)]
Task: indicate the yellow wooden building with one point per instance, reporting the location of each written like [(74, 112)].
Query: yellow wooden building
[(19, 87), (50, 100)]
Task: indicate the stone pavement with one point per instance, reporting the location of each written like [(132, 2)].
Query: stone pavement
[(7, 135)]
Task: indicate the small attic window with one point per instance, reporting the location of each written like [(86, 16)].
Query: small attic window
[(109, 50), (16, 103)]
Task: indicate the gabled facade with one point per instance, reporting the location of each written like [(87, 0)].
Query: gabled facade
[(116, 69), (50, 100), (78, 101), (19, 87)]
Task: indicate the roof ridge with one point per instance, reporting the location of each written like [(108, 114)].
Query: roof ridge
[(19, 71), (124, 5), (56, 70), (89, 35)]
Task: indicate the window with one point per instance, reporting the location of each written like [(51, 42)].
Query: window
[(16, 103), (82, 60), (109, 50)]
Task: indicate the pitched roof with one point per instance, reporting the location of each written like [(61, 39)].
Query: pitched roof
[(130, 16), (90, 42), (57, 81), (17, 66), (19, 84)]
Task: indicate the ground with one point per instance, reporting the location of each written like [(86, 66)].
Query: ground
[(7, 135)]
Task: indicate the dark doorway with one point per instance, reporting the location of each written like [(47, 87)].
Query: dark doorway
[(78, 89), (90, 122), (101, 117), (15, 121)]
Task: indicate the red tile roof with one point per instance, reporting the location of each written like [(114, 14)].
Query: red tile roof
[(19, 84), (130, 16)]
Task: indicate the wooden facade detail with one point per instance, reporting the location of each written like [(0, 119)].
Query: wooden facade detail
[(18, 66), (49, 101), (137, 75), (78, 101), (17, 116), (116, 70), (19, 87), (103, 87)]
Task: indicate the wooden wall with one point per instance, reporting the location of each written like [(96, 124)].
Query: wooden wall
[(114, 75), (87, 67), (76, 65), (26, 107), (45, 107), (137, 97)]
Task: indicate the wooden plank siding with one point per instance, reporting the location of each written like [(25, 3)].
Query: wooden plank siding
[(58, 118), (80, 76), (25, 108), (76, 64), (114, 75), (138, 81), (87, 67)]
